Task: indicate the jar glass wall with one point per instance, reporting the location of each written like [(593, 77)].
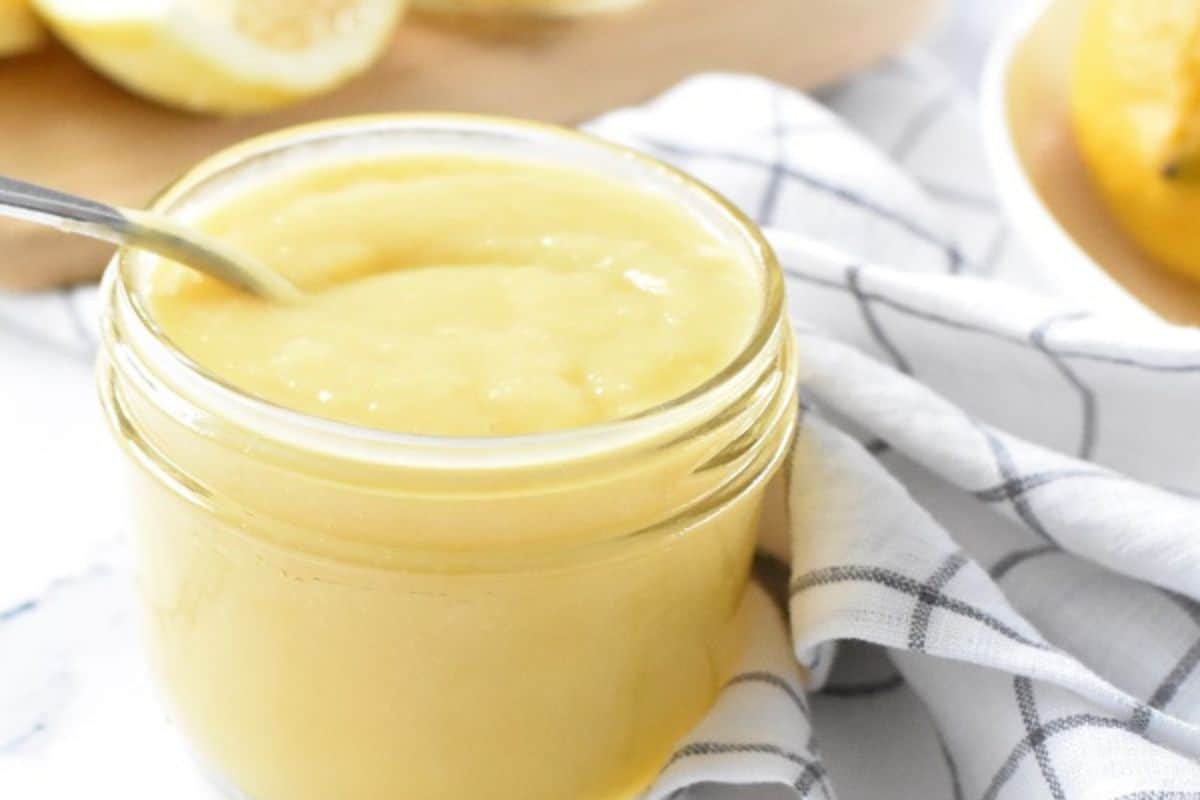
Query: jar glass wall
[(335, 611)]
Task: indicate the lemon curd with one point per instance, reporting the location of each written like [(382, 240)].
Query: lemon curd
[(475, 518), (466, 297)]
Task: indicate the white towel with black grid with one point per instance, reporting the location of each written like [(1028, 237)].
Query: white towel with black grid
[(995, 558), (993, 579)]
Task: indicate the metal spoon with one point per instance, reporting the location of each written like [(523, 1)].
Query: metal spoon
[(146, 231)]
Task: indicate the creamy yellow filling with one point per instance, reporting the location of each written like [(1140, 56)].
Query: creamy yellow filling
[(333, 628), (455, 295)]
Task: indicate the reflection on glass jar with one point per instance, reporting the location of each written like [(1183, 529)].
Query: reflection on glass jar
[(337, 611)]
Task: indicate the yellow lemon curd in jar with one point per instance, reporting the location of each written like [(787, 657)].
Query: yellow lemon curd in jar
[(466, 297), (325, 627)]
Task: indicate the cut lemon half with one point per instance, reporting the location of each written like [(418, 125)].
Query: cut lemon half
[(19, 28), (226, 56)]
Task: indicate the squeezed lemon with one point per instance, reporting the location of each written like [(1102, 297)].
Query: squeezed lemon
[(229, 56)]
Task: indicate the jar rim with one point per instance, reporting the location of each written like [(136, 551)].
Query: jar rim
[(429, 450)]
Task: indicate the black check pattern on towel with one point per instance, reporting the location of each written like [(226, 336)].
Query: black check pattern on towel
[(926, 594), (854, 283), (1036, 742), (1008, 472), (1037, 735), (930, 597), (812, 774), (780, 171), (1087, 399)]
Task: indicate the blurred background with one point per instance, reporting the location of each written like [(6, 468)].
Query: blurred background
[(114, 104)]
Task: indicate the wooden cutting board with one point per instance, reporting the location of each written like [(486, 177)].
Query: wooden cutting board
[(67, 127)]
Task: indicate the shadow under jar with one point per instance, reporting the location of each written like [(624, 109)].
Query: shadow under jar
[(340, 612)]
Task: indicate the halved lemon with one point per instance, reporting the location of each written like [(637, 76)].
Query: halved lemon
[(19, 28), (226, 56)]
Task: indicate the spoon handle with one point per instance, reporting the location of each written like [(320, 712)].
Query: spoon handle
[(159, 235), (61, 210)]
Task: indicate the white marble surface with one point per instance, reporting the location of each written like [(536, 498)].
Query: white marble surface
[(64, 498)]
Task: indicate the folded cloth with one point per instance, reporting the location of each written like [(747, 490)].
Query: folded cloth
[(994, 561), (987, 582)]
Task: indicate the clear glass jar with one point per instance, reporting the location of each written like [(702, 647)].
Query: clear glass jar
[(535, 8), (339, 612)]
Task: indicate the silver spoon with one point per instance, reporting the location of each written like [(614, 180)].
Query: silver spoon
[(146, 231)]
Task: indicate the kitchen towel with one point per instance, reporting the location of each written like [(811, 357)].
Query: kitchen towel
[(988, 583)]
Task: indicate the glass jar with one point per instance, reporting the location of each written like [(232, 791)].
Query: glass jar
[(533, 8), (340, 612)]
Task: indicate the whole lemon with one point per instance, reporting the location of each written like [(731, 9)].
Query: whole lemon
[(1135, 107)]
